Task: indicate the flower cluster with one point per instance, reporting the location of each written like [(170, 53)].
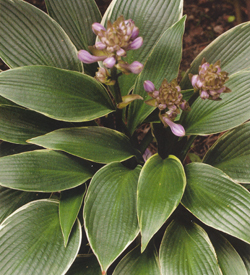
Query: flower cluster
[(112, 45), (169, 97), (210, 80)]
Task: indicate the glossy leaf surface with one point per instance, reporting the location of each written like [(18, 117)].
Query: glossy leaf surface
[(110, 212), (231, 48), (231, 154), (43, 171), (208, 117), (35, 230), (30, 37), (160, 188), (152, 17), (217, 201), (19, 124), (69, 207), (56, 93), (135, 263), (229, 260), (95, 143), (186, 249), (163, 62)]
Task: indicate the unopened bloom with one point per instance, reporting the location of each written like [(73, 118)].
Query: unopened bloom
[(168, 99), (88, 58), (177, 129), (210, 80), (113, 44)]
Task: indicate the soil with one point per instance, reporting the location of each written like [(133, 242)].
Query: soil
[(206, 20)]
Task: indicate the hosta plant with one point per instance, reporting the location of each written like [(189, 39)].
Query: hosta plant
[(80, 192)]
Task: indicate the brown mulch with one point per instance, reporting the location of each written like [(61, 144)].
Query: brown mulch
[(206, 20)]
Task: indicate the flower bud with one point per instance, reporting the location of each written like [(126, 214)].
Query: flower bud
[(88, 58), (135, 67), (121, 52), (135, 33), (136, 44), (97, 27), (177, 129), (204, 95), (100, 46), (149, 86), (109, 62)]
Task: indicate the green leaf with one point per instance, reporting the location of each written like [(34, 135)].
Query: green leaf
[(56, 93), (43, 171), (208, 117), (160, 189), (11, 200), (19, 124), (229, 260), (97, 144), (85, 265), (31, 241), (163, 62), (217, 201), (135, 263), (76, 18), (110, 212), (244, 251), (69, 207), (231, 153), (231, 48), (30, 37), (186, 249), (153, 18)]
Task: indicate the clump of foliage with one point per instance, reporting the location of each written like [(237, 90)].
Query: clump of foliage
[(78, 194)]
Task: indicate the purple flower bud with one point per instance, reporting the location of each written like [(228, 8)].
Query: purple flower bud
[(155, 94), (162, 106), (88, 58), (135, 33), (100, 46), (177, 129), (135, 67), (204, 95), (136, 44), (121, 52), (149, 86), (194, 80), (204, 68), (96, 27), (109, 62)]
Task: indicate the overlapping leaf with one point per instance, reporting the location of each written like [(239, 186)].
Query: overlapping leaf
[(137, 263), (31, 241), (217, 201), (160, 189), (19, 124), (30, 37), (208, 116), (69, 207), (229, 260), (56, 93), (186, 249), (232, 48), (11, 200), (110, 212), (152, 17), (231, 153), (163, 62), (94, 143), (43, 171), (76, 18)]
